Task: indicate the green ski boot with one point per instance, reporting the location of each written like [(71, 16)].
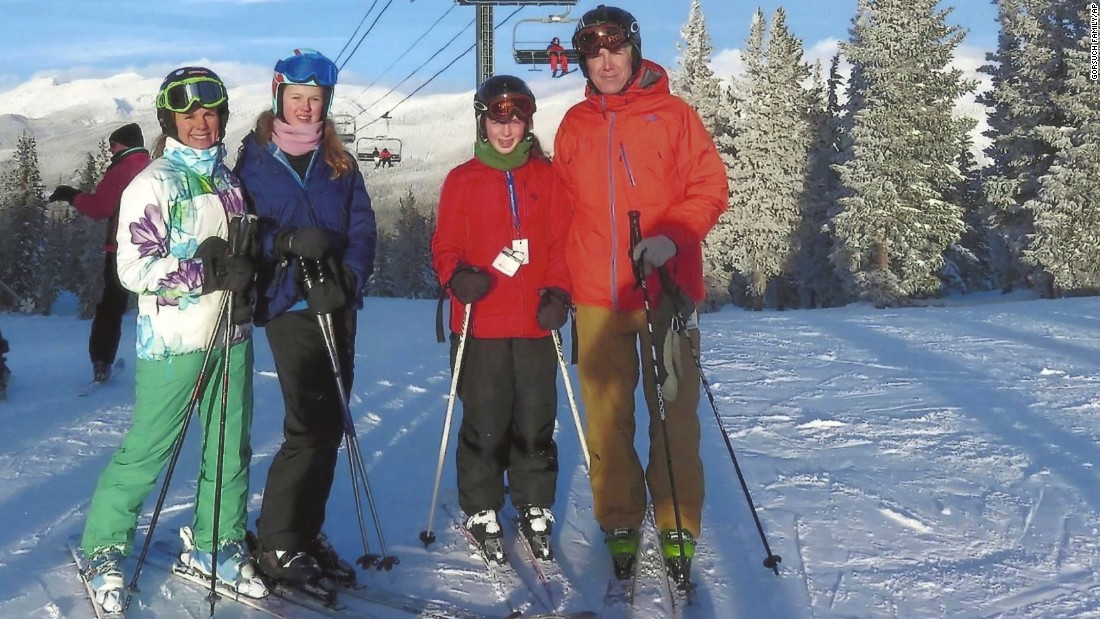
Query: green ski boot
[(678, 564), (622, 543)]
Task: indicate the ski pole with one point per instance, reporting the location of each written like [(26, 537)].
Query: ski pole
[(572, 401), (358, 470), (772, 560), (639, 274), (196, 392), (238, 245), (213, 597), (427, 536)]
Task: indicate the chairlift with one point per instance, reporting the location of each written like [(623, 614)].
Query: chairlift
[(368, 149), (345, 127), (535, 53)]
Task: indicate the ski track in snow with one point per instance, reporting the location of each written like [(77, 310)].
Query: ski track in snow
[(924, 462)]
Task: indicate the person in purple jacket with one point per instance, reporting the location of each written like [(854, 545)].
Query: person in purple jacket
[(314, 212), (128, 158)]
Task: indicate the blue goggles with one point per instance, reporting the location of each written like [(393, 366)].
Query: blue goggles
[(309, 68), (182, 96)]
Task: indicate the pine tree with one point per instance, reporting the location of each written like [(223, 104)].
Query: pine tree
[(27, 270), (900, 168), (1028, 73), (695, 82), (403, 267), (818, 285), (768, 175), (1066, 218)]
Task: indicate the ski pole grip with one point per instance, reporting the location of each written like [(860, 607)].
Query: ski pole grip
[(240, 233), (635, 238), (635, 230)]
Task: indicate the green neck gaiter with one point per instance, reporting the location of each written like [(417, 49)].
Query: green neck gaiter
[(491, 157)]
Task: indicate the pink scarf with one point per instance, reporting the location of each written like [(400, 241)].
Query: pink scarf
[(297, 139)]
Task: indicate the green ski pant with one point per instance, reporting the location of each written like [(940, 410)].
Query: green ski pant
[(162, 394)]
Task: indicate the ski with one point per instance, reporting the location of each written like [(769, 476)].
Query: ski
[(549, 574), (504, 580), (283, 602), (78, 557), (94, 386)]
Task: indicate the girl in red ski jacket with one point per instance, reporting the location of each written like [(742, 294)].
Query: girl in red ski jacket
[(499, 246)]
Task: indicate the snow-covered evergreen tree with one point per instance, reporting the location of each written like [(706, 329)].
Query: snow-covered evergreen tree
[(768, 172), (818, 285), (28, 268), (900, 167), (1066, 241), (695, 82), (1028, 73), (403, 263)]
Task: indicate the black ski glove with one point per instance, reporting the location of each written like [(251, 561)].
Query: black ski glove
[(64, 193), (326, 296), (307, 242), (222, 271), (469, 284), (553, 308)]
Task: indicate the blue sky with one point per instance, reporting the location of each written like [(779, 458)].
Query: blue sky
[(70, 39)]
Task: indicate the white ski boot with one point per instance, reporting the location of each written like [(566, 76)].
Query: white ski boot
[(103, 572), (235, 567)]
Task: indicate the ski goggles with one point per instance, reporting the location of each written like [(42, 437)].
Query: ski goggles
[(503, 108), (308, 68), (182, 96), (607, 36)]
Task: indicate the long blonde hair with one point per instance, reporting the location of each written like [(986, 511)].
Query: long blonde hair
[(336, 156)]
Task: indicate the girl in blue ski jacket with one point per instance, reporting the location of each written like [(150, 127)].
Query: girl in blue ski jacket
[(315, 217)]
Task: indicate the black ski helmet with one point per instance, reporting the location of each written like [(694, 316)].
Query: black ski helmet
[(501, 97), (186, 88), (614, 16)]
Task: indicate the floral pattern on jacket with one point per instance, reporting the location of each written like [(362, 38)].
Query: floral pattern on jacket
[(176, 203)]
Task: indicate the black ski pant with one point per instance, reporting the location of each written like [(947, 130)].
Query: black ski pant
[(508, 388), (107, 324), (301, 474)]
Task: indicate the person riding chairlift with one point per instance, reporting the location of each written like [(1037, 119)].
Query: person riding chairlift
[(558, 59)]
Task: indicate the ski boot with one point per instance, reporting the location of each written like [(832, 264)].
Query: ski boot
[(484, 527), (334, 567), (623, 543), (101, 371), (103, 573), (235, 567), (678, 565), (536, 525)]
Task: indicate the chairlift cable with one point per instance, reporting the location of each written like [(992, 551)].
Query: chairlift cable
[(406, 52), (414, 71), (438, 73), (372, 25), (356, 31)]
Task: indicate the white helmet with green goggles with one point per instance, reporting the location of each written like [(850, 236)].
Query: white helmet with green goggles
[(187, 88)]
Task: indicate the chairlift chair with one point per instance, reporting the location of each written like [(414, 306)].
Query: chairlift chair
[(364, 148), (534, 53), (345, 127)]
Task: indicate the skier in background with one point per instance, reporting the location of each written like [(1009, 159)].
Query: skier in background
[(558, 59), (498, 244), (128, 158), (314, 211)]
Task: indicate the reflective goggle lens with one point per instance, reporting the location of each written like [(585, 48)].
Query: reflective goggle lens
[(180, 97), (607, 36), (301, 69), (504, 107)]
